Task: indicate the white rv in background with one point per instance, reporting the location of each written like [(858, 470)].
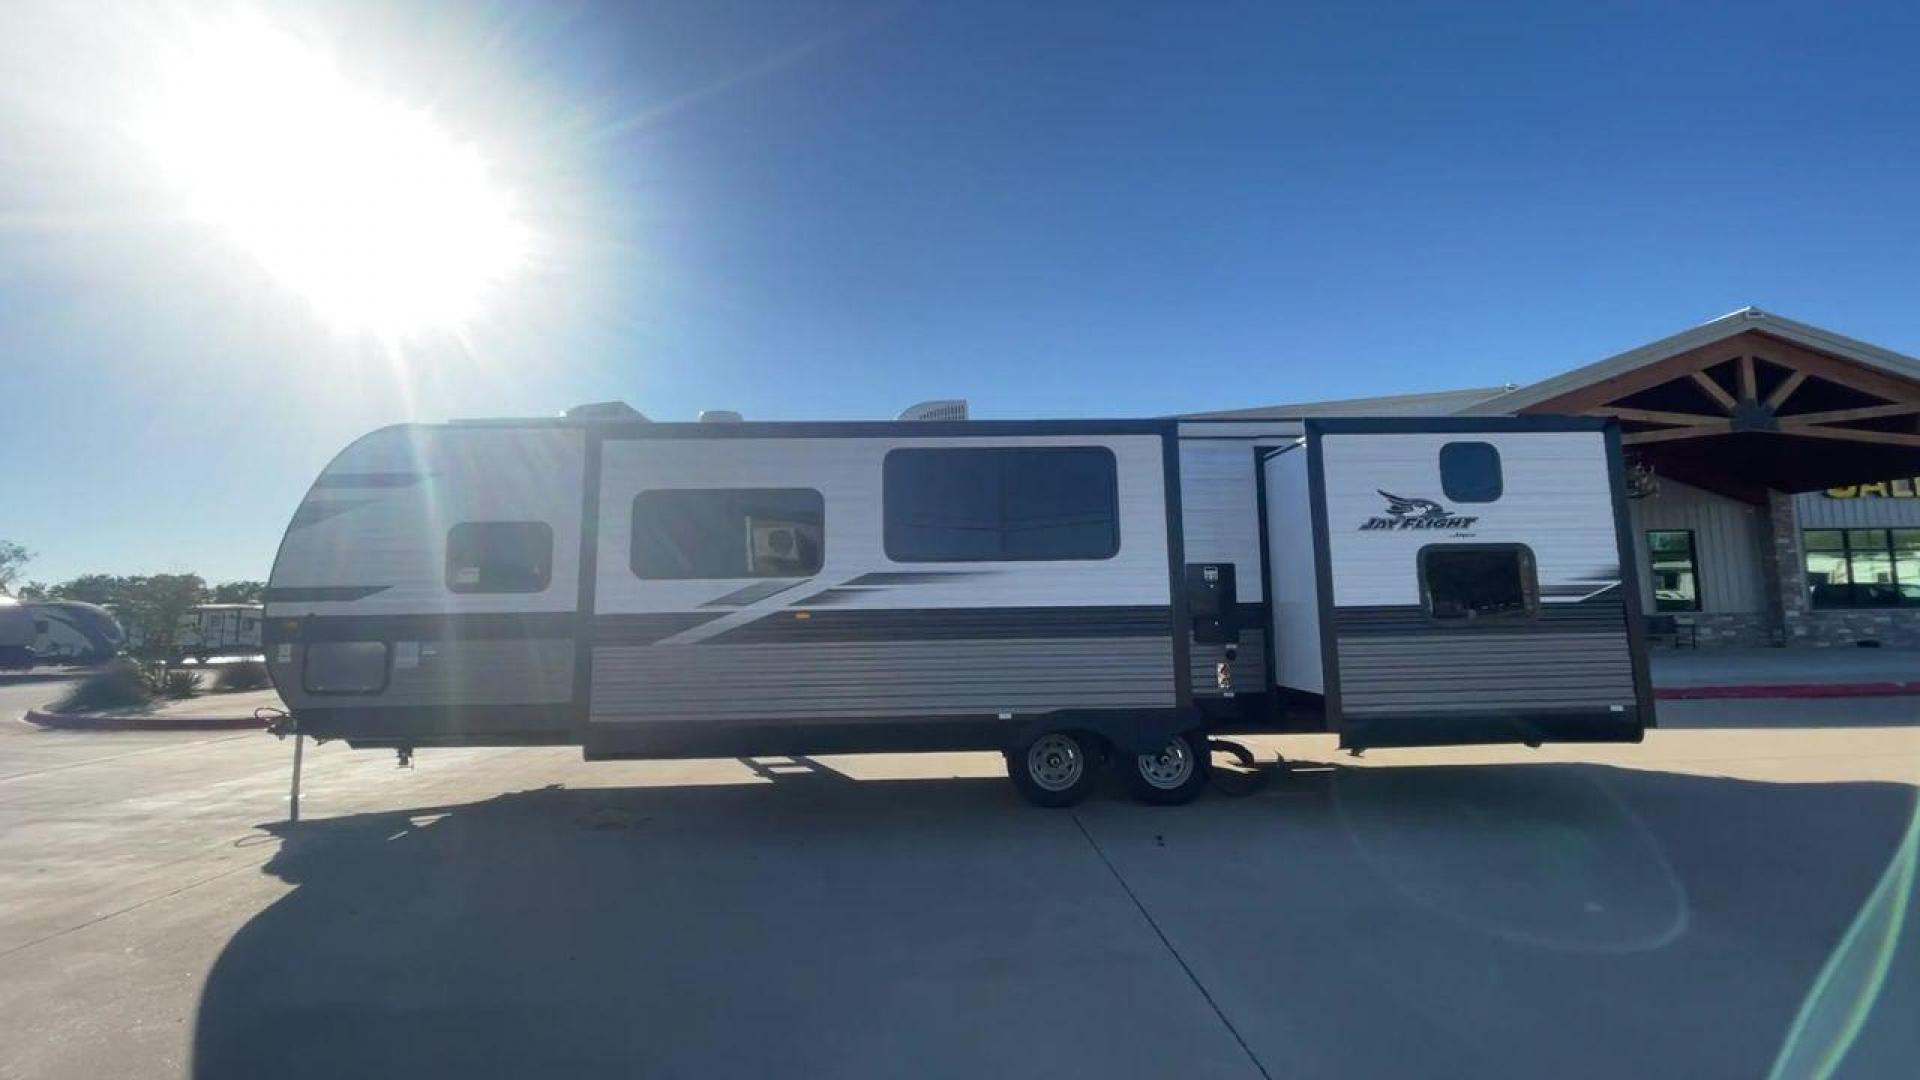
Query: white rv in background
[(73, 632), (16, 635), (1070, 593), (210, 630)]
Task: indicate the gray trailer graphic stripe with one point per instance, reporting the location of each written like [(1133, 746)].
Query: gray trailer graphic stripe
[(288, 594), (951, 624), (368, 480), (481, 626), (755, 593)]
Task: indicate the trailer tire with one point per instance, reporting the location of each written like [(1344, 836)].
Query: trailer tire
[(1060, 768), (1173, 776)]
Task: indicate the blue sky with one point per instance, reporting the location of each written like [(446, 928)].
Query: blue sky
[(836, 209)]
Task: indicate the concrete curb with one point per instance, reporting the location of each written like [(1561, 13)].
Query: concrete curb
[(1788, 690), (113, 722)]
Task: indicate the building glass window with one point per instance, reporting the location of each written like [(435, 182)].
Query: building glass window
[(499, 557), (689, 534), (1469, 583), (1862, 568), (1000, 504), (1470, 471), (1675, 568)]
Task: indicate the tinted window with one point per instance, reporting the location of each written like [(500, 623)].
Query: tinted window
[(728, 533), (1468, 583), (1470, 471), (988, 505), (1676, 570), (499, 557), (345, 667)]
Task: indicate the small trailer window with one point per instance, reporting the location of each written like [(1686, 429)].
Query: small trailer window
[(499, 557), (1470, 471), (345, 667), (728, 533), (1467, 583), (1001, 504)]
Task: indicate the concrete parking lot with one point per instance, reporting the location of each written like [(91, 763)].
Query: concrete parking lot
[(1659, 910)]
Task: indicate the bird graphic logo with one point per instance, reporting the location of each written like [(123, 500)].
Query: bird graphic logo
[(1401, 507)]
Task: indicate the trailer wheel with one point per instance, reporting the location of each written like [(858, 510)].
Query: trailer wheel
[(1172, 776), (1059, 768)]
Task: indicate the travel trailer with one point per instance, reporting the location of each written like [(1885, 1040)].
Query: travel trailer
[(16, 635), (72, 632), (1070, 593), (210, 630)]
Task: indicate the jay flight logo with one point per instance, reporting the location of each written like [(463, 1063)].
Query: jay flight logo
[(1405, 513)]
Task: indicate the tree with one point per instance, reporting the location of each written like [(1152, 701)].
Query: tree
[(239, 592), (155, 604), (12, 558), (95, 589)]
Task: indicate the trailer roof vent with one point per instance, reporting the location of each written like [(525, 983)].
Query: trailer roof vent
[(605, 411), (719, 416), (949, 409)]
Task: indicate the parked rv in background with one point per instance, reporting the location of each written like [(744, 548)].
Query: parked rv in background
[(210, 630), (1066, 592), (72, 632), (16, 635)]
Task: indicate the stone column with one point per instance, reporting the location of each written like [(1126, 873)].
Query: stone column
[(1786, 570)]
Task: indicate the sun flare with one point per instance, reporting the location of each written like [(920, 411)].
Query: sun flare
[(360, 204)]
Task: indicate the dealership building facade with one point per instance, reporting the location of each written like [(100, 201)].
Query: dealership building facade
[(1773, 469)]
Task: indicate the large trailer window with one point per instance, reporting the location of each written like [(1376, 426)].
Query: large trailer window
[(728, 533), (345, 667), (1468, 583), (1676, 569), (499, 557), (1470, 471), (1001, 504)]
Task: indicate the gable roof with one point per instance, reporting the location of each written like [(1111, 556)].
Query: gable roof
[(1726, 326)]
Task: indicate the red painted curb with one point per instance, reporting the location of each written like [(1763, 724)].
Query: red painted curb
[(1790, 690), (86, 722)]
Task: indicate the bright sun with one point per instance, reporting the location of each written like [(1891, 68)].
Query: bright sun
[(358, 203)]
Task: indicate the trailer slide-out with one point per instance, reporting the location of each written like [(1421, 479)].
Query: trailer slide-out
[(1069, 593)]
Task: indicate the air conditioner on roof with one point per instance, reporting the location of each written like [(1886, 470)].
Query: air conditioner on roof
[(948, 409)]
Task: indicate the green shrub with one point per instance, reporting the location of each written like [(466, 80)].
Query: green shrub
[(246, 675), (119, 685), (174, 683)]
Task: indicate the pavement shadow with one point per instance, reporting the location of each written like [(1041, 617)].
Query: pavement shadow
[(1471, 921), (1892, 710)]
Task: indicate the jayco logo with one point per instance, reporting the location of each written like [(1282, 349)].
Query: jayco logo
[(1403, 513)]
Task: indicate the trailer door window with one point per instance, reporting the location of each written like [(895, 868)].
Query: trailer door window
[(1468, 583), (1001, 504), (1470, 471), (499, 557), (728, 533)]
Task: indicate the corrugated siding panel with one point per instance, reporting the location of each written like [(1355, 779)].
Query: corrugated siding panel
[(877, 678), (1219, 510), (1436, 673), (508, 671), (1729, 537), (1873, 512), (1249, 666)]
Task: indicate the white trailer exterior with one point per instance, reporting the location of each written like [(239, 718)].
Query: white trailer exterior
[(209, 630), (72, 632), (1062, 591), (16, 634)]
